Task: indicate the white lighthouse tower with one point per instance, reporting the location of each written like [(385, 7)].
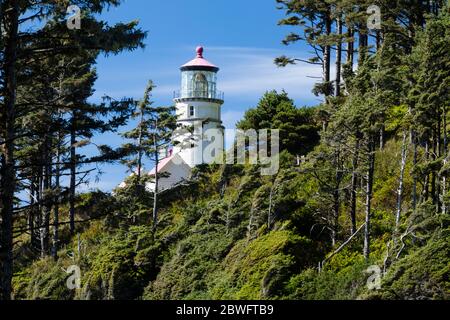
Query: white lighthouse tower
[(198, 105)]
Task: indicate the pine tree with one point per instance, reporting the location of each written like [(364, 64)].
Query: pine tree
[(316, 21), (17, 51), (428, 98), (153, 135), (298, 132)]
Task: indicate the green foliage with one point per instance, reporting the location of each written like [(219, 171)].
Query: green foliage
[(298, 132), (186, 275), (152, 134), (345, 284), (422, 275), (196, 254), (231, 233), (44, 280), (259, 269), (122, 262)]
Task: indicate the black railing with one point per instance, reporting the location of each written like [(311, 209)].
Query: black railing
[(205, 94)]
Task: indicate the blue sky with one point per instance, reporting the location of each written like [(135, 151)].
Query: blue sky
[(239, 36)]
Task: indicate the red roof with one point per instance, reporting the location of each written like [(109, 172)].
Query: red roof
[(199, 61), (162, 164)]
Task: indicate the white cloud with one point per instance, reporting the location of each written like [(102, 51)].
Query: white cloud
[(251, 72), (245, 74)]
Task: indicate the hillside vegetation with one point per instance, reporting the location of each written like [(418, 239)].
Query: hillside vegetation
[(214, 241), (359, 208)]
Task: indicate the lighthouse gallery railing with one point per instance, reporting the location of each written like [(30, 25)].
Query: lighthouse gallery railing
[(206, 94)]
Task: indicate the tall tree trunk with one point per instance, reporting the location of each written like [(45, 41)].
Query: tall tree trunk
[(271, 196), (327, 50), (438, 155), (40, 220), (350, 48), (378, 39), (425, 191), (339, 57), (139, 187), (382, 137), (140, 152), (369, 186), (55, 246), (252, 226), (46, 207), (414, 191), (363, 45), (335, 227), (354, 185), (445, 153), (433, 172), (73, 173), (444, 129), (336, 197), (400, 185), (8, 176), (420, 14), (350, 53), (32, 214), (155, 194)]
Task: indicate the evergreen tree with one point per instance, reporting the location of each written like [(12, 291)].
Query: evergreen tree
[(316, 21), (298, 130), (152, 138), (17, 50), (429, 98)]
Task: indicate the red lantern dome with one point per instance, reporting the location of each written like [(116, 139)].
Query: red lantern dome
[(199, 63)]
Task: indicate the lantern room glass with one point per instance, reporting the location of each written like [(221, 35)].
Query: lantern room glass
[(198, 84)]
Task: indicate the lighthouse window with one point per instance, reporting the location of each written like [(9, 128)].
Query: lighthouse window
[(191, 111), (200, 85)]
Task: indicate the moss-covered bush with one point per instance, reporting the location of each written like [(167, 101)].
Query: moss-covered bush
[(259, 269), (421, 275), (43, 280), (213, 241), (121, 264)]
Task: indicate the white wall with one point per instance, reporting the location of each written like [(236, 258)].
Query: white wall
[(203, 109), (178, 170)]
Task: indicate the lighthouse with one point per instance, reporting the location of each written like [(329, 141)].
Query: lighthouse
[(198, 106)]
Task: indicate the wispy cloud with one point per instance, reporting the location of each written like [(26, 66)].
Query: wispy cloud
[(251, 71), (246, 73)]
